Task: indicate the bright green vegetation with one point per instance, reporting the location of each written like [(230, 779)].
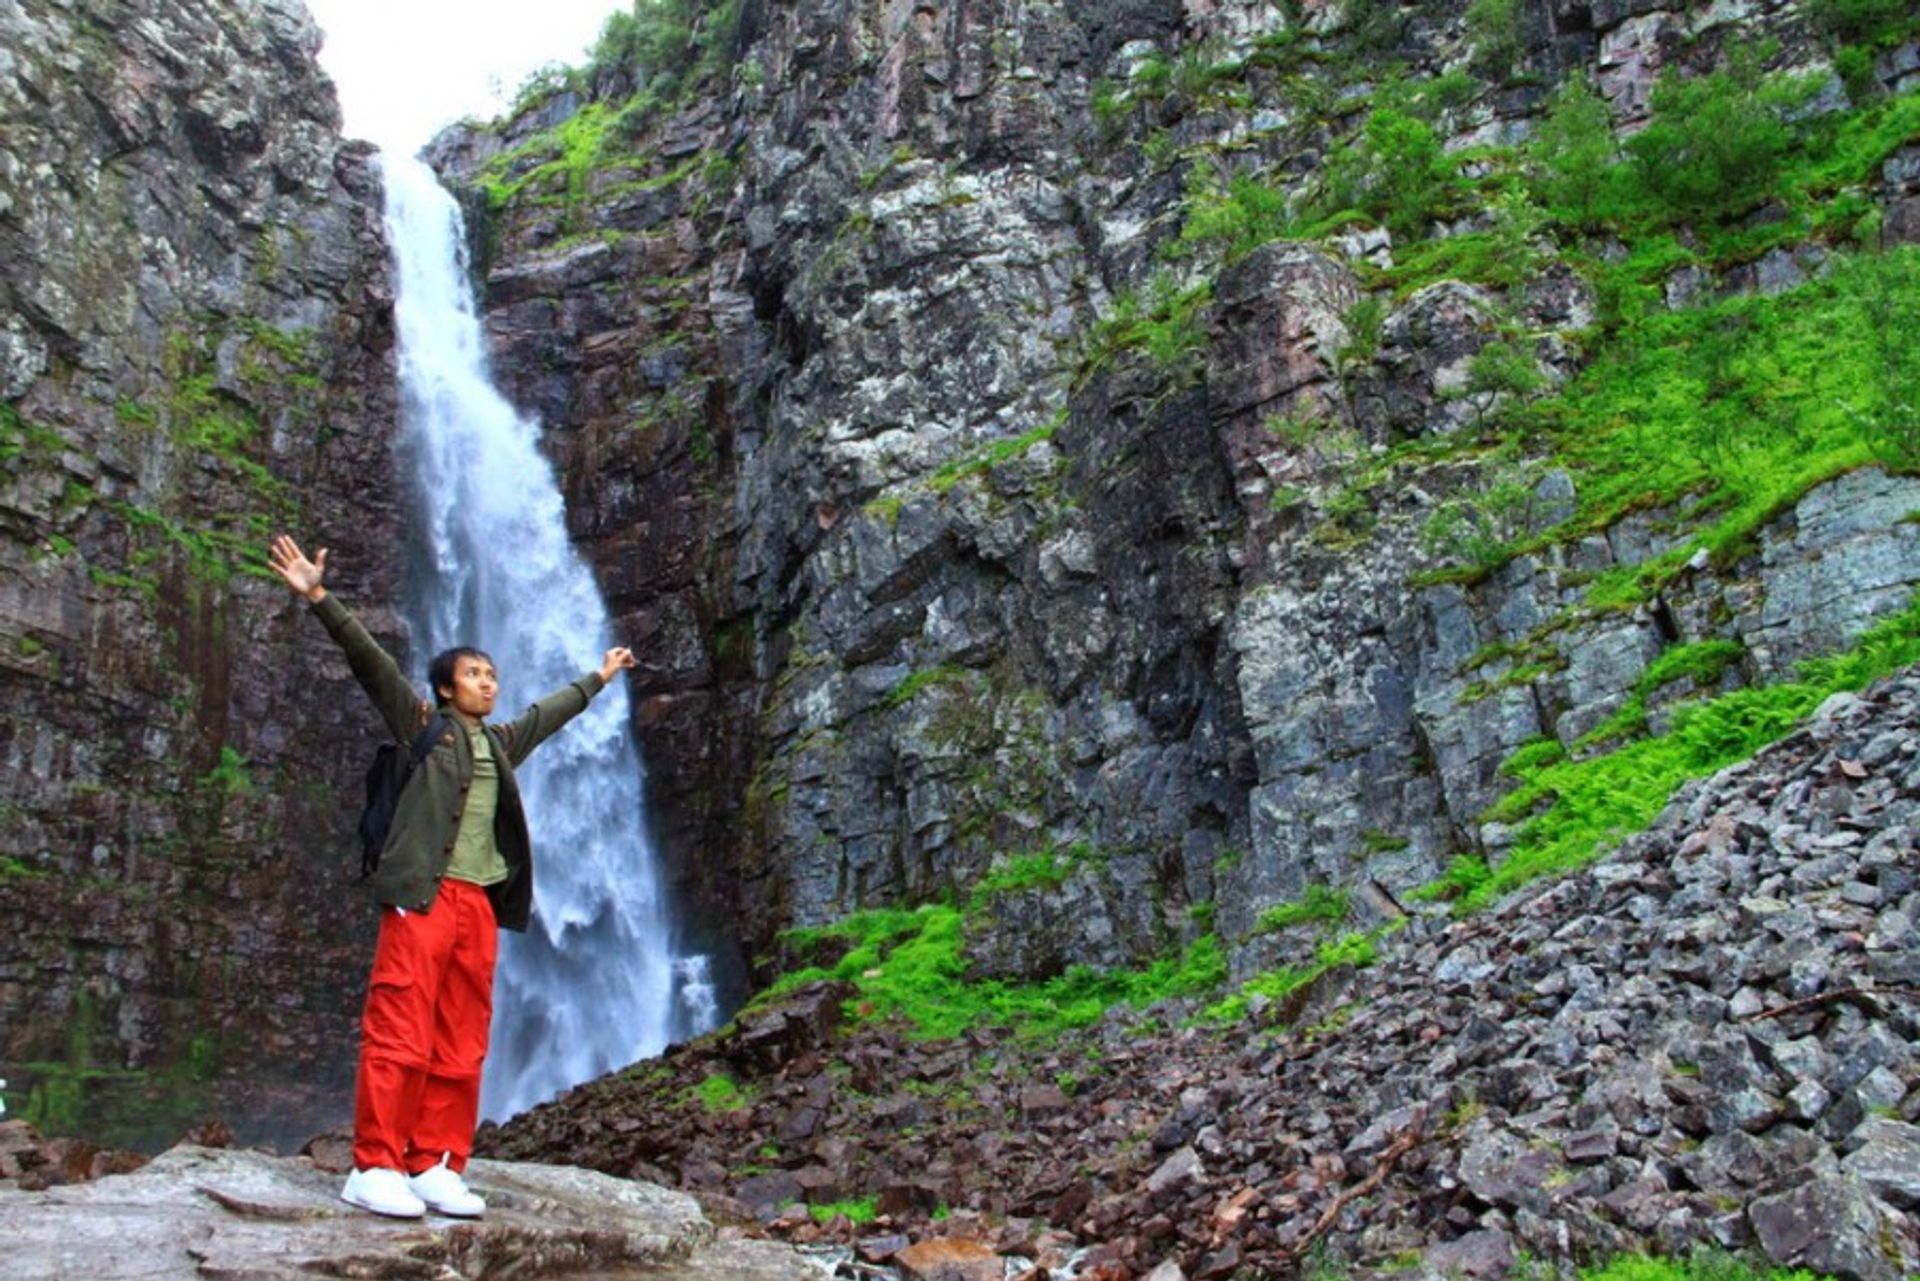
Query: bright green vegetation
[(1701, 1265), (229, 776), (667, 47), (574, 147), (1702, 663), (719, 1093), (1233, 218), (1711, 418), (1676, 193), (992, 455), (1737, 408), (1045, 869), (1353, 949), (206, 421), (911, 963), (212, 553), (1319, 905), (1494, 28), (914, 682), (1571, 810), (858, 1212), (553, 169), (886, 507), (662, 49), (659, 52), (18, 437), (1164, 322)]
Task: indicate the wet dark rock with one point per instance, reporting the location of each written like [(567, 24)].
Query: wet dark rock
[(773, 1037), (1486, 1253), (774, 1191)]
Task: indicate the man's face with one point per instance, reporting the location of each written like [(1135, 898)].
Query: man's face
[(475, 686)]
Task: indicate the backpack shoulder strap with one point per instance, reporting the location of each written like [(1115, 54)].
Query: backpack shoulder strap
[(429, 734)]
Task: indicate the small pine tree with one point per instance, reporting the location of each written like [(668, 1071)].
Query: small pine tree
[(1574, 158), (1396, 170)]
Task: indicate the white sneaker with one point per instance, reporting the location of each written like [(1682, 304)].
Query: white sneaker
[(446, 1192), (383, 1192)]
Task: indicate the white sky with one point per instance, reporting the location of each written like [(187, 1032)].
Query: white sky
[(405, 68)]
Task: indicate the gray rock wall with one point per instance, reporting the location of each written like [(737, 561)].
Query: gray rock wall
[(943, 565), (193, 353)]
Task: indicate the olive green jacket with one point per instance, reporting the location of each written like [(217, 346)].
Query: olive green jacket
[(427, 817)]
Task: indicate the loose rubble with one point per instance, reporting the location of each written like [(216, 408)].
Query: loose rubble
[(1706, 1039)]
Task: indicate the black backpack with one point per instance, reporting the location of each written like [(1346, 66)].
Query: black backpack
[(386, 779)]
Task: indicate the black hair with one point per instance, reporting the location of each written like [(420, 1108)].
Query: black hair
[(440, 670)]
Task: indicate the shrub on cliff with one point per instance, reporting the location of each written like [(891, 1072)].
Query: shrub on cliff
[(1493, 26), (1576, 160), (1717, 143), (656, 51), (1396, 170), (1864, 21)]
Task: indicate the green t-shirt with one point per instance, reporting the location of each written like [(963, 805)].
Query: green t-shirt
[(475, 856)]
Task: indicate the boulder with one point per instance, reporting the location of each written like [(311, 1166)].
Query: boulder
[(1835, 1227), (950, 1259), (1887, 1160), (196, 1211)]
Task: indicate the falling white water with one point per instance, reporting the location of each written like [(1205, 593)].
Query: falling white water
[(699, 1001), (590, 987)]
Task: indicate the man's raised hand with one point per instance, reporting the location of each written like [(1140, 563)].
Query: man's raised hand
[(301, 574), (617, 658)]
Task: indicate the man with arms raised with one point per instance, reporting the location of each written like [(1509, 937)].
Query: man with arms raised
[(456, 867)]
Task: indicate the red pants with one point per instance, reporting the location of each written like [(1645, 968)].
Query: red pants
[(423, 1035)]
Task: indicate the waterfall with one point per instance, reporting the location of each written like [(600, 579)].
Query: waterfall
[(591, 986)]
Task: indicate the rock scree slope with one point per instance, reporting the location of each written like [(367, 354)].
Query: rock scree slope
[(1708, 1039)]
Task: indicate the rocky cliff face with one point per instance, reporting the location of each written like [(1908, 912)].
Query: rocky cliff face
[(970, 516), (193, 353)]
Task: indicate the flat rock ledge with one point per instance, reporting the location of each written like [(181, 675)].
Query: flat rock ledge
[(213, 1212)]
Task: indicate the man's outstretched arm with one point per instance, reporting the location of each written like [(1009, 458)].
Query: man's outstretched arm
[(398, 703), (526, 731)]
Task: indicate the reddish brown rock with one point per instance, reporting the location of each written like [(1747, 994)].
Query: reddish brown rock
[(950, 1259)]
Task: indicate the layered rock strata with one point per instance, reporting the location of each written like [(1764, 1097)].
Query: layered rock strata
[(194, 352), (850, 366)]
